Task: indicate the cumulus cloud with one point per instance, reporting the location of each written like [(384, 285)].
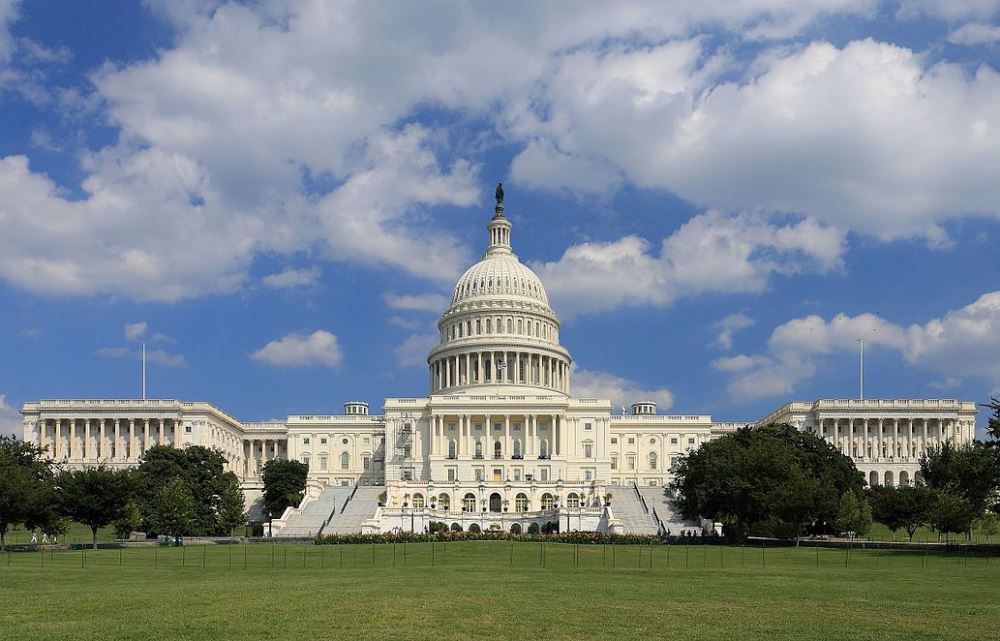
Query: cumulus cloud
[(435, 303), (728, 326), (974, 33), (712, 252), (10, 419), (963, 343), (413, 351), (621, 391), (134, 331), (301, 350), (290, 278)]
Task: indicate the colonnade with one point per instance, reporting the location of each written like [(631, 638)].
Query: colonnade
[(258, 451), (538, 435), (888, 438), (472, 368), (116, 439)]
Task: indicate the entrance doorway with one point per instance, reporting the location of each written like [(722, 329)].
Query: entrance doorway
[(495, 502)]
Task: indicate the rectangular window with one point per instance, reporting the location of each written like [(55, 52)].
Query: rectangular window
[(614, 440), (544, 474), (588, 476), (305, 440), (497, 474), (451, 473), (479, 474), (479, 427), (322, 463), (690, 441), (631, 462), (614, 462), (366, 462), (588, 426), (673, 440), (407, 475), (588, 451), (496, 427), (407, 451), (517, 474), (187, 429), (322, 441), (631, 441)]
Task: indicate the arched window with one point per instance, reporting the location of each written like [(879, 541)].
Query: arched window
[(469, 502), (345, 461), (444, 502), (510, 326), (489, 326), (479, 326), (517, 449), (873, 479), (573, 500), (548, 502), (479, 449), (452, 449), (888, 479), (543, 448), (418, 500), (497, 450), (520, 326), (652, 460), (521, 502), (904, 478)]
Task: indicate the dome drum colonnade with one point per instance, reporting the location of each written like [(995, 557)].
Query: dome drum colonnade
[(499, 328)]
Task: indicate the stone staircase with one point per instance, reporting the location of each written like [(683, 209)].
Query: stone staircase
[(310, 521), (355, 512), (658, 499), (627, 508)]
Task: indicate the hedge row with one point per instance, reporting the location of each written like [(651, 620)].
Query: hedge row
[(589, 538)]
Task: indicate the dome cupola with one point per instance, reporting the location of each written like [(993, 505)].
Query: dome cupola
[(499, 329)]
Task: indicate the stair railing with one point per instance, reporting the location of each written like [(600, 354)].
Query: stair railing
[(349, 498), (645, 508)]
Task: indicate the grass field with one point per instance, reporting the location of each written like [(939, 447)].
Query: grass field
[(496, 590)]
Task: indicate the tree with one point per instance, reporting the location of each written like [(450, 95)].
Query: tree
[(203, 472), (993, 423), (25, 486), (970, 472), (93, 496), (906, 507), (173, 509), (129, 519), (772, 478), (854, 514), (232, 504), (284, 484), (951, 513)]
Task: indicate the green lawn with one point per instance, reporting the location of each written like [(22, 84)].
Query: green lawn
[(495, 590)]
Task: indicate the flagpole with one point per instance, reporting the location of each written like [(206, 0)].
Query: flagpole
[(862, 383), (144, 371)]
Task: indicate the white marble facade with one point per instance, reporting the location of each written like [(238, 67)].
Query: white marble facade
[(499, 433)]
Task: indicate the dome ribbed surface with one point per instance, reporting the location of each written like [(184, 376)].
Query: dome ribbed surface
[(499, 275)]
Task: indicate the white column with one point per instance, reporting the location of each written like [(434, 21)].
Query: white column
[(88, 450), (74, 450), (923, 444), (881, 440), (145, 434), (507, 441)]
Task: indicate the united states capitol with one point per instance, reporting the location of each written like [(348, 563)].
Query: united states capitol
[(499, 442)]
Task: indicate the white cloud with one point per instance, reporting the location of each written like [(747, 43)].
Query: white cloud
[(8, 14), (290, 278), (134, 331), (435, 303), (712, 252), (822, 131), (949, 10), (541, 166), (10, 420), (413, 351), (300, 350), (975, 33), (963, 343), (156, 356), (621, 391), (728, 326)]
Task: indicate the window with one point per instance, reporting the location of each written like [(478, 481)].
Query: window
[(517, 449), (573, 500), (452, 449), (588, 426), (543, 449), (444, 502), (543, 474), (452, 472), (652, 460), (588, 450), (548, 502), (479, 450), (345, 461), (631, 441), (517, 474), (673, 440), (614, 462), (366, 462), (479, 474), (497, 450), (407, 450), (631, 462), (187, 429), (322, 463), (588, 475), (305, 459), (690, 441), (407, 475), (614, 440), (469, 502), (305, 440), (418, 500), (521, 503), (322, 441)]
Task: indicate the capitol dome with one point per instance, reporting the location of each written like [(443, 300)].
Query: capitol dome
[(499, 329)]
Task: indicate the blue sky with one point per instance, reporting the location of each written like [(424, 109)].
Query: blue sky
[(277, 197)]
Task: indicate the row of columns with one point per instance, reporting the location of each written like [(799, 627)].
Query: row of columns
[(93, 439), (889, 441), (257, 452), (528, 368), (537, 438)]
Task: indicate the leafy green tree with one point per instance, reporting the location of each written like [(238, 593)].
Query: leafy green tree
[(951, 513), (970, 472), (284, 484), (232, 504), (26, 488), (906, 507), (773, 477), (854, 514), (989, 524), (173, 511), (129, 520), (94, 496), (993, 423)]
